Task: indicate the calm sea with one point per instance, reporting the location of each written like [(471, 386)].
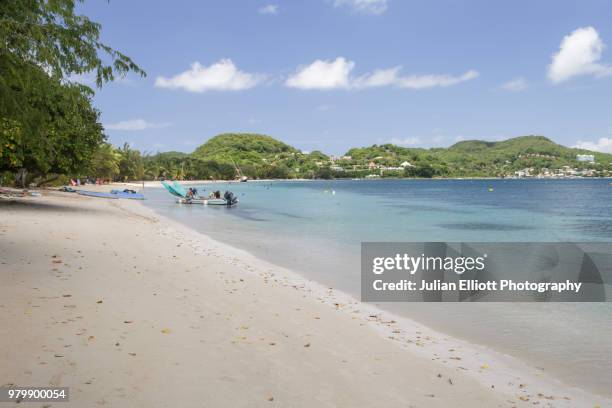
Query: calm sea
[(316, 228)]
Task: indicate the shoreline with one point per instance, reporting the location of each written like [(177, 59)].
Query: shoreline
[(512, 375), (506, 378), (157, 184)]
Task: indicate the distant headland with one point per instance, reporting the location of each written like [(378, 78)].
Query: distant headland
[(232, 155)]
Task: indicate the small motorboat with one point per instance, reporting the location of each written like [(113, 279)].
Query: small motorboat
[(207, 201), (98, 194), (183, 200), (228, 200), (191, 196), (221, 201), (130, 194), (113, 194)]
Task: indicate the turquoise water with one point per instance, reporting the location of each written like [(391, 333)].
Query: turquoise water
[(316, 228)]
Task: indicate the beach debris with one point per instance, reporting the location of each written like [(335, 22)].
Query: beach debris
[(450, 381), (128, 321), (165, 331), (307, 345), (66, 295), (58, 355), (99, 301), (523, 398), (132, 354), (272, 343), (270, 398), (484, 366)]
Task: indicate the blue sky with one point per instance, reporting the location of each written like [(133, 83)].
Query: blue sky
[(334, 74)]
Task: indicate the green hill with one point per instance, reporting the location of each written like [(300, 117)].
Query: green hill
[(478, 158), (230, 155), (244, 148), (255, 156)]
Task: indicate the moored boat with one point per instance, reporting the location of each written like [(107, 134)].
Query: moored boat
[(207, 201), (98, 194)]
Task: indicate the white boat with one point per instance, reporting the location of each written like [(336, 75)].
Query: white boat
[(206, 201), (221, 201), (191, 201)]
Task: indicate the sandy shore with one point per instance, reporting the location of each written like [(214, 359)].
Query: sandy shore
[(128, 309)]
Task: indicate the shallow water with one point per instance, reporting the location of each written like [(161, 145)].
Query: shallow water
[(316, 228)]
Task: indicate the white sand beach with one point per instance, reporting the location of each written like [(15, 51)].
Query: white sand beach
[(129, 309)]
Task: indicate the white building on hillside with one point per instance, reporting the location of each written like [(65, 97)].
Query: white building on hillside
[(585, 158)]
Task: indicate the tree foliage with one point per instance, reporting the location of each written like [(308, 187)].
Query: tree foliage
[(50, 35), (105, 162), (47, 122), (47, 126)]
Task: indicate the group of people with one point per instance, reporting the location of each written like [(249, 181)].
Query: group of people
[(192, 192)]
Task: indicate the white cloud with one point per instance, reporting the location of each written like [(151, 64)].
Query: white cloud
[(336, 74), (604, 145), (134, 124), (380, 77), (578, 54), (408, 141), (220, 76), (364, 6), (515, 85), (322, 75), (268, 9), (430, 81)]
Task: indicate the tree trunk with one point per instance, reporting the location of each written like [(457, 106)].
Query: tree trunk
[(20, 177)]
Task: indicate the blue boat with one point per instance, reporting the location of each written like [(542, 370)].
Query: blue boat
[(132, 195), (113, 194), (97, 194)]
